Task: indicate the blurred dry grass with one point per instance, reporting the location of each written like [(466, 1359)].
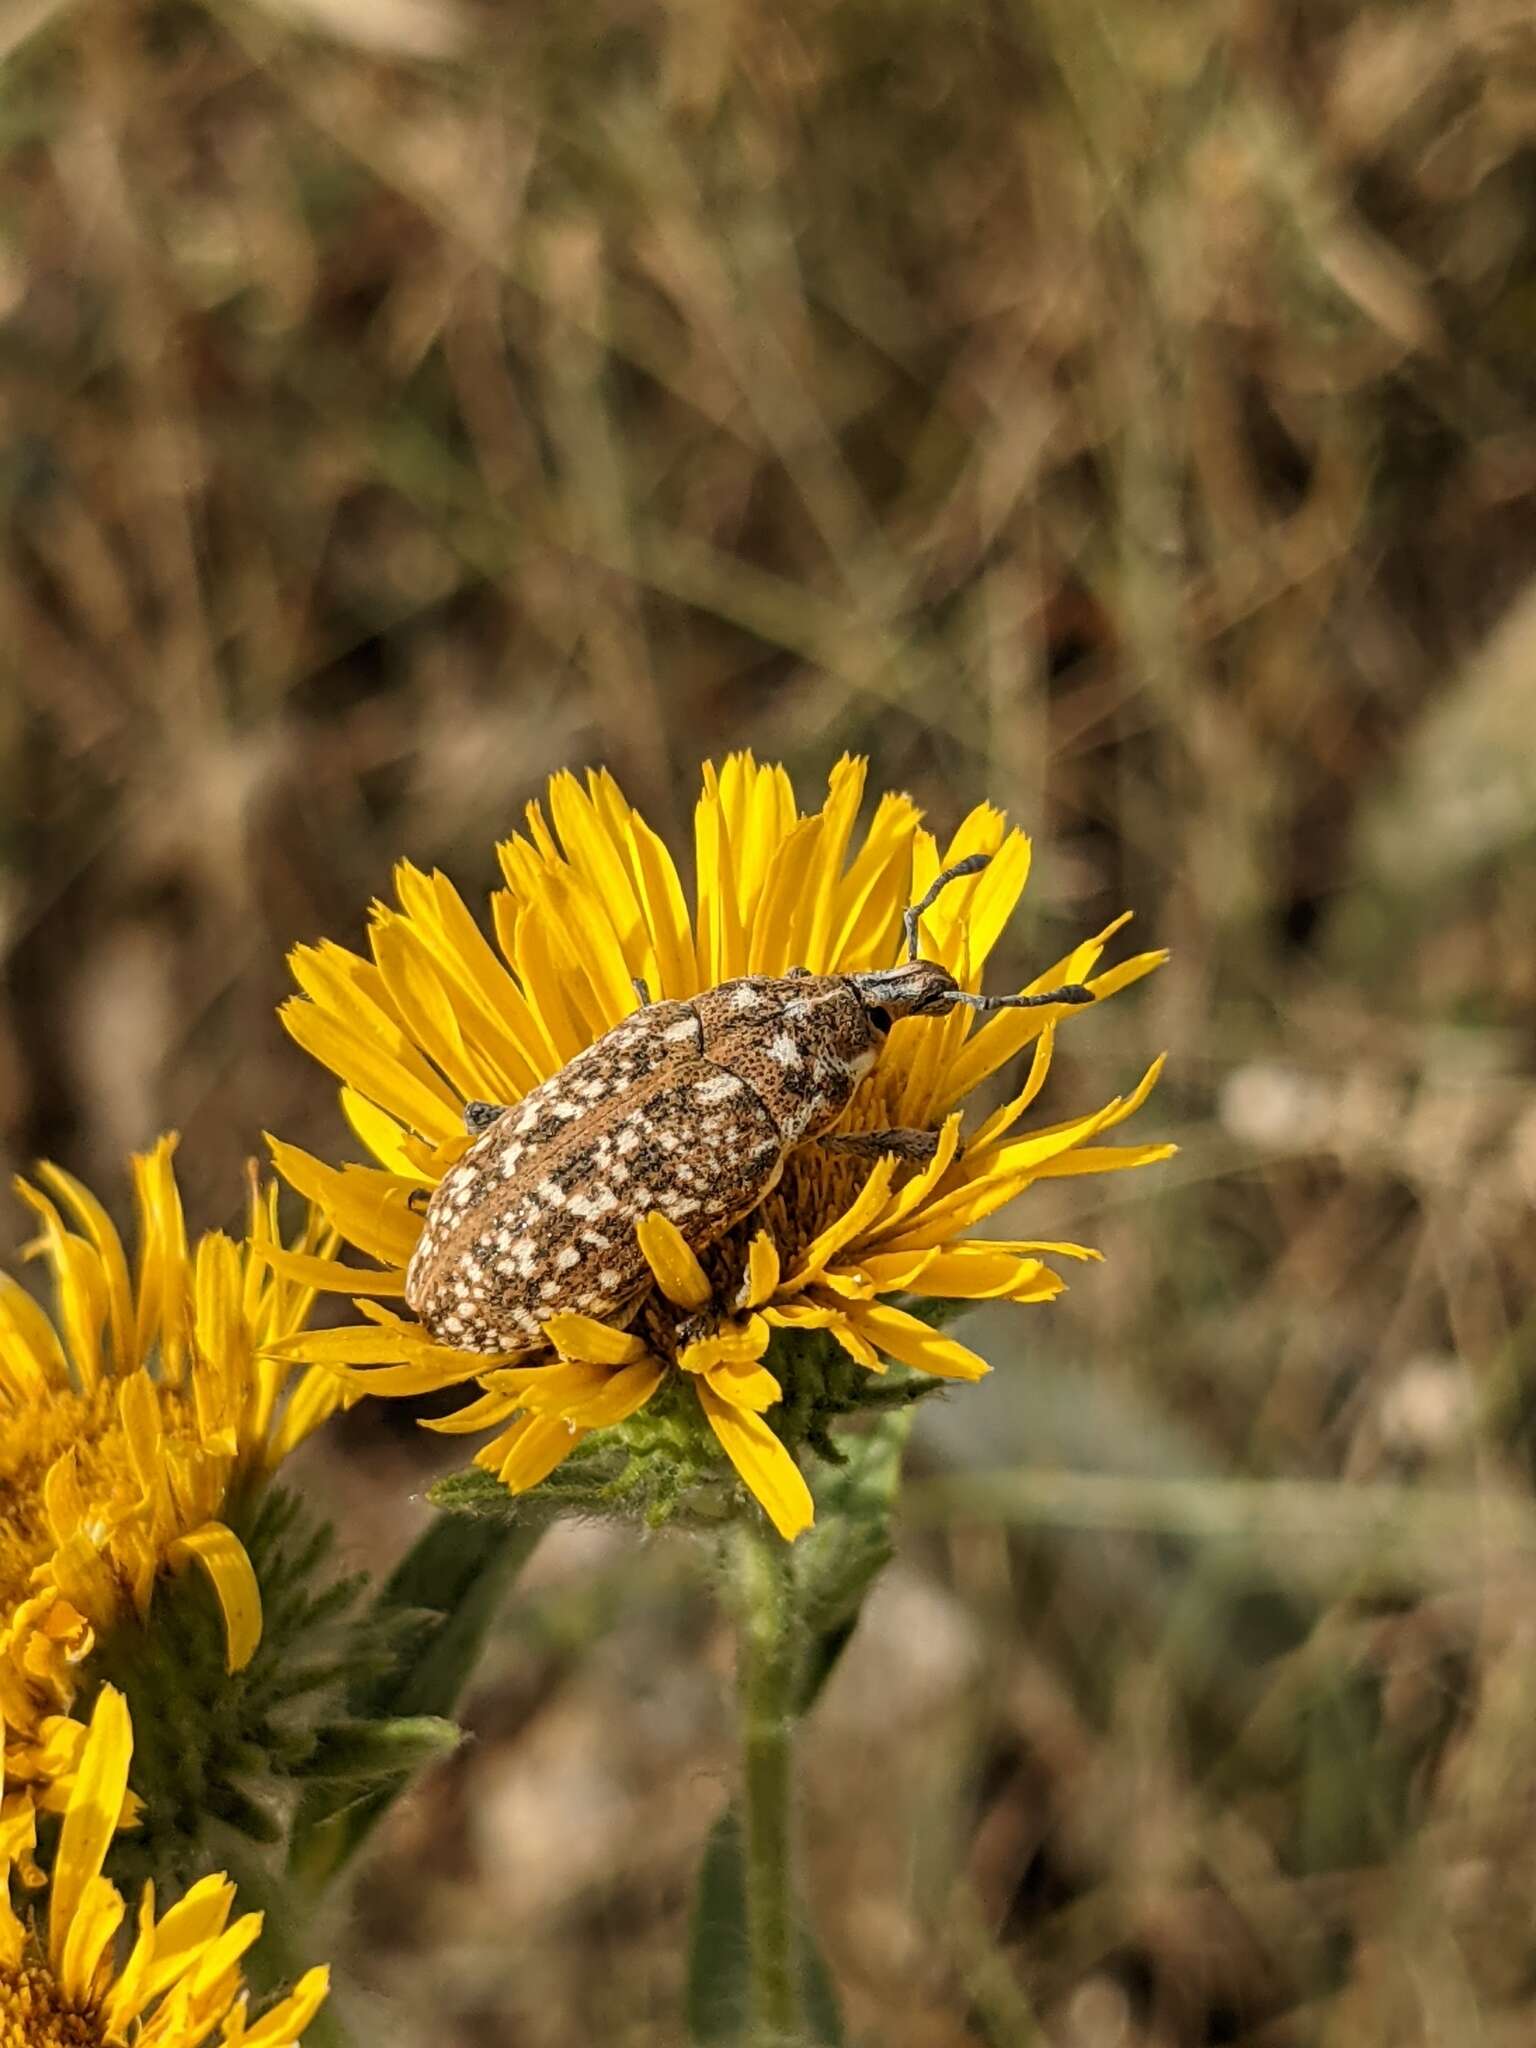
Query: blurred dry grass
[(1121, 412)]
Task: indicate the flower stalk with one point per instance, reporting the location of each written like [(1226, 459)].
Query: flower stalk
[(768, 1658)]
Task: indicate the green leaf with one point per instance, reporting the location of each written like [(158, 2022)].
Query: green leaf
[(439, 1601), (840, 1559), (718, 1991), (362, 1753), (585, 1480)]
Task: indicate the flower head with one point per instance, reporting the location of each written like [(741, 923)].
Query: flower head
[(60, 1985), (592, 906), (129, 1423)]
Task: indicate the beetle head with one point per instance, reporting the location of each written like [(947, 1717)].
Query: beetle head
[(917, 988), (922, 988)]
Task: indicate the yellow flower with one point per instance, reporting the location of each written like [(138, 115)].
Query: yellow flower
[(59, 1984), (127, 1423), (439, 1017)]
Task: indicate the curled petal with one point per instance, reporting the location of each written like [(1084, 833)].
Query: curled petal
[(762, 1274), (733, 1344), (233, 1577), (678, 1273)]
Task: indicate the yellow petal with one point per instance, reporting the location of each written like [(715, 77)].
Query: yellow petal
[(768, 1471), (588, 1396), (800, 1315), (367, 1206), (1104, 1159), (911, 1197), (92, 1929), (233, 1577), (90, 1820), (163, 1282), (666, 911), (810, 940), (732, 1344), (388, 1140), (498, 1020), (12, 1934), (381, 1343), (108, 1246), (748, 1386), (31, 1357), (400, 1082), (762, 1274), (186, 1931), (1003, 1120), (856, 1218), (213, 1980), (1031, 1247), (911, 1342), (678, 1273), (974, 1272), (529, 1451), (997, 1178), (623, 1394), (79, 1282), (414, 982), (849, 1283), (590, 1342), (556, 1389), (330, 1276), (785, 890), (1138, 1095), (422, 1375), (1010, 1030), (858, 1348), (63, 1496), (283, 2025), (129, 1994), (485, 1413)]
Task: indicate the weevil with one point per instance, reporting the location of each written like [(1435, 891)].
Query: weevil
[(690, 1108)]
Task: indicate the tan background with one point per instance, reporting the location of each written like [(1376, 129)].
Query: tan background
[(1120, 412)]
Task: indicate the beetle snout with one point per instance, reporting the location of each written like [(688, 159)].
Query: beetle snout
[(921, 988)]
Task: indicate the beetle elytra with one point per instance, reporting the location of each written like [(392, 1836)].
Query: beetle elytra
[(689, 1108)]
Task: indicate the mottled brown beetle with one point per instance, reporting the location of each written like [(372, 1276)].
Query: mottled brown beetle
[(689, 1108)]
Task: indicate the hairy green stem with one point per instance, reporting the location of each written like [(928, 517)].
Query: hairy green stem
[(767, 1673)]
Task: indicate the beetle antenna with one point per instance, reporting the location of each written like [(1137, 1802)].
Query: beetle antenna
[(971, 865), (1071, 992)]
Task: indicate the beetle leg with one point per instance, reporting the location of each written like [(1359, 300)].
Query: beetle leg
[(641, 991), (418, 1201), (796, 973), (906, 1144), (479, 1116)]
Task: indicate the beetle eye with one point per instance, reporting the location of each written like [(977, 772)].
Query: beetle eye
[(881, 1019)]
